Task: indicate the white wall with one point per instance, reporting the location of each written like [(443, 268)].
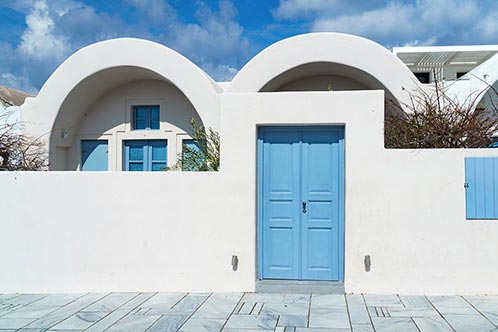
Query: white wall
[(71, 231), (322, 83), (111, 118), (102, 232)]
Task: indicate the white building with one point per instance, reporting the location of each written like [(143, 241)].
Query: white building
[(306, 189), (464, 69)]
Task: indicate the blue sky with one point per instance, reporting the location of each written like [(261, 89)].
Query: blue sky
[(221, 36)]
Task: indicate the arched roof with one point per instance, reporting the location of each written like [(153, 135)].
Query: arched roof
[(478, 81), (360, 54), (97, 68)]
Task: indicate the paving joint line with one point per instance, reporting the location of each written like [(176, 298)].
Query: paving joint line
[(349, 314), (479, 311), (309, 310), (368, 312), (233, 310), (440, 314), (112, 311), (190, 316), (71, 315)]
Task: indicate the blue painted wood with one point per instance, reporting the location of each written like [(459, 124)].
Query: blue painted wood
[(320, 190), (489, 192), (146, 117), (94, 155), (481, 192), (296, 165), (470, 196), (145, 156), (157, 155), (281, 234)]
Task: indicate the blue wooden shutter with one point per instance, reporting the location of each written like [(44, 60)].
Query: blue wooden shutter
[(481, 187), (136, 156), (157, 155), (94, 155), (143, 156)]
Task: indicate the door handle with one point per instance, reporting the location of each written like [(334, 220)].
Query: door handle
[(304, 207)]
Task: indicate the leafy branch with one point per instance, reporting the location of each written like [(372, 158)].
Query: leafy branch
[(204, 155)]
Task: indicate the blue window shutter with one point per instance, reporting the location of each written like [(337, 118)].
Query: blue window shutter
[(143, 156), (146, 117), (94, 155), (193, 146), (139, 117), (154, 117), (481, 187)]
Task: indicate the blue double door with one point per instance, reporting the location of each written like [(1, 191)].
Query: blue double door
[(301, 203)]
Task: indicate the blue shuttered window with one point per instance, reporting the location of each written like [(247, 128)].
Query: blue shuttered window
[(193, 146), (481, 187), (94, 155), (145, 156), (146, 117)]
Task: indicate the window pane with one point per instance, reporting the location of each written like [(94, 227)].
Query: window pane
[(140, 124), (156, 167), (136, 152), (136, 167), (191, 144), (159, 151), (154, 112), (140, 113), (154, 117), (193, 159), (154, 124)]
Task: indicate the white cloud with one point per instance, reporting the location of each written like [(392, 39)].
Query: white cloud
[(216, 39), (392, 23), (56, 28), (394, 19), (292, 9), (223, 73), (487, 27), (40, 40), (18, 81), (157, 11)]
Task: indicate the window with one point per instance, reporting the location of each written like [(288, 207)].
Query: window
[(188, 155), (94, 155), (423, 77), (146, 117), (145, 156), (481, 187)]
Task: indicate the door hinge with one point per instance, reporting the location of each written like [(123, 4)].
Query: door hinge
[(466, 185)]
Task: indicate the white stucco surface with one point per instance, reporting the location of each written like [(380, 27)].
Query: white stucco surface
[(476, 83), (118, 231), (361, 59), (177, 231), (110, 118), (96, 69)]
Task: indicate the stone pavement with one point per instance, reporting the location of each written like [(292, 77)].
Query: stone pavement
[(229, 312)]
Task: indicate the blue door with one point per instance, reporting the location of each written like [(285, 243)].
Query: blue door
[(94, 155), (301, 190), (145, 156)]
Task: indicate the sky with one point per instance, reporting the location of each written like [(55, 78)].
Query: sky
[(36, 36)]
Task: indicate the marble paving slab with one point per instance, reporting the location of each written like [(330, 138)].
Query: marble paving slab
[(230, 312), (111, 302), (134, 323)]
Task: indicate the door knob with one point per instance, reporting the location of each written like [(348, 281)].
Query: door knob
[(304, 207)]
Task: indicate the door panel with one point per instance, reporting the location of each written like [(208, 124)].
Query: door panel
[(281, 191), (320, 233), (301, 190), (94, 155)]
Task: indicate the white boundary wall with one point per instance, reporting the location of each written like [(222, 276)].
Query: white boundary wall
[(79, 232)]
